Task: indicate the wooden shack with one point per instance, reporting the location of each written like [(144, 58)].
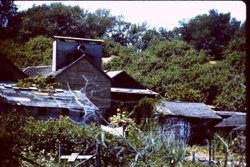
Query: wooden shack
[(77, 65), (198, 116), (232, 123), (126, 91), (85, 76)]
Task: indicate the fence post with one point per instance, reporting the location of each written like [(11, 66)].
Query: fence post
[(59, 152), (193, 156), (226, 158), (210, 151), (97, 158), (213, 157)]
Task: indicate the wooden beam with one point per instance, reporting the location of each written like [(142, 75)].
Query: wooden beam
[(73, 157), (81, 157), (79, 39)]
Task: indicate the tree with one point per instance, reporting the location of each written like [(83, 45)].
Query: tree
[(7, 10), (58, 19), (38, 51), (210, 32), (128, 34)]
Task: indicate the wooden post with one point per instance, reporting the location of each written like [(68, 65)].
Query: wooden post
[(97, 158), (210, 151), (193, 156), (59, 152), (213, 157), (226, 158)]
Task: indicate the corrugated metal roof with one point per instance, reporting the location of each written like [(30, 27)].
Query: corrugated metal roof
[(186, 109), (74, 100), (133, 91)]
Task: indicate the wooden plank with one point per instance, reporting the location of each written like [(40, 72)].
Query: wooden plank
[(73, 157), (84, 156), (79, 39), (78, 157), (64, 157)]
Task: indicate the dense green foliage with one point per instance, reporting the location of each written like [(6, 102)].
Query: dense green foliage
[(34, 52), (36, 142), (202, 60), (38, 82), (210, 32), (178, 72), (28, 142)]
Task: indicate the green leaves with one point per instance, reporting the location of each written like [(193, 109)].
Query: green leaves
[(34, 52), (210, 32), (178, 72), (38, 82)]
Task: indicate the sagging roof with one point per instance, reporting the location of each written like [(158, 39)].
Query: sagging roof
[(186, 109), (233, 121), (133, 91), (34, 71), (73, 100)]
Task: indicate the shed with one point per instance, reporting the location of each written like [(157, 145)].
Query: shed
[(76, 65), (230, 127), (84, 75), (44, 104), (126, 90), (233, 121), (199, 116)]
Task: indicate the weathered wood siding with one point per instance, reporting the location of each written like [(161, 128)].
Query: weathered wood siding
[(97, 86)]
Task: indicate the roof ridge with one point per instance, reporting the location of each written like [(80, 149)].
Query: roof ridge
[(58, 72)]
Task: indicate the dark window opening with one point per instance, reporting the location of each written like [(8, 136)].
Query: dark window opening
[(41, 111), (65, 112), (82, 113)]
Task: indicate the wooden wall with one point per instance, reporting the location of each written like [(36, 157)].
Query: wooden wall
[(98, 88)]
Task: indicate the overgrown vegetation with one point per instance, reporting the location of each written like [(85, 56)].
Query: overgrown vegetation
[(202, 60), (29, 142), (181, 64), (38, 82)]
